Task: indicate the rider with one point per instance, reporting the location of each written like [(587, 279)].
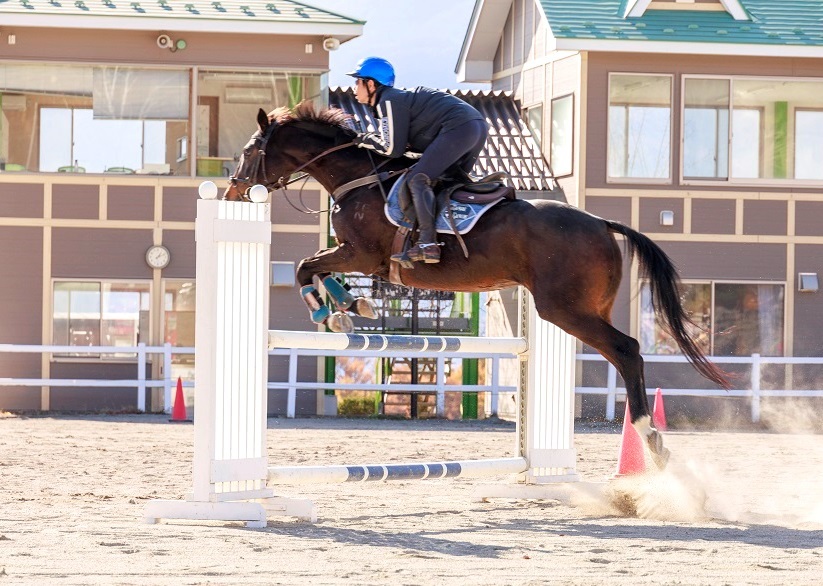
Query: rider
[(444, 128)]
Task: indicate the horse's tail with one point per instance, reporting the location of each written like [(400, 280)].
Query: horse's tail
[(664, 283)]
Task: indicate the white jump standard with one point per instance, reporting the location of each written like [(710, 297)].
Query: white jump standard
[(231, 472)]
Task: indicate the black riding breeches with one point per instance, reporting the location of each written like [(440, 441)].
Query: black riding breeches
[(459, 146)]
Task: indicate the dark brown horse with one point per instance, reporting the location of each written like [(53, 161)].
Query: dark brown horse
[(568, 259)]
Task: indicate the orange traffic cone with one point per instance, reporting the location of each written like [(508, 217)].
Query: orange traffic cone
[(178, 412), (631, 459), (659, 411)]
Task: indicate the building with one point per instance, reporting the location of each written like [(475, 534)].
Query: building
[(111, 114), (700, 123)]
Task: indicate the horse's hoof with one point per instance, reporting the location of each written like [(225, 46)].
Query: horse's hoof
[(365, 307), (341, 323), (660, 453)]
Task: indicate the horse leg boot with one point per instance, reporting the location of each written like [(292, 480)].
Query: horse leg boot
[(426, 249)]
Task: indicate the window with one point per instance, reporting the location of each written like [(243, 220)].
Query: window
[(227, 105), (752, 129), (639, 134), (562, 147), (731, 319), (89, 313), (534, 120), (179, 299), (706, 128), (92, 119)]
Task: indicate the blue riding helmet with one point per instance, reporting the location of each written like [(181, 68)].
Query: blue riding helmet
[(374, 68)]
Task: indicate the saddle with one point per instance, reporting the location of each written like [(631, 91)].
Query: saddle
[(462, 189)]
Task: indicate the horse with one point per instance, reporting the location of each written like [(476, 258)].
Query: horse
[(567, 258)]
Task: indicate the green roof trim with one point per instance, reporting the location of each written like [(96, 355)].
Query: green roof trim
[(773, 22), (281, 11)]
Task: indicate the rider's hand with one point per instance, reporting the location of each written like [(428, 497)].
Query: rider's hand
[(360, 139)]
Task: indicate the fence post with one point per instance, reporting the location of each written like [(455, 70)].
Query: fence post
[(440, 407), (291, 400), (495, 385), (755, 388), (611, 386), (167, 377), (141, 376)]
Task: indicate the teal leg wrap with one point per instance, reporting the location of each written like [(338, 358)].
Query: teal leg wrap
[(341, 296), (319, 310)]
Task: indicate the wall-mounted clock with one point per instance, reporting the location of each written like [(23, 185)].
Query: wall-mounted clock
[(158, 257)]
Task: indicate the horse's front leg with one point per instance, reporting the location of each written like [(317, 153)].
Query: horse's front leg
[(321, 265)]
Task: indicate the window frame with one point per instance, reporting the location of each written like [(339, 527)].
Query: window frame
[(551, 136), (743, 182), (669, 179), (98, 358), (712, 283)]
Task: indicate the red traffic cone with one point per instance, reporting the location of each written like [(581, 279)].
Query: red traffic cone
[(178, 412), (659, 411), (631, 459)]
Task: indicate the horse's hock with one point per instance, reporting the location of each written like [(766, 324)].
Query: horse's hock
[(231, 476)]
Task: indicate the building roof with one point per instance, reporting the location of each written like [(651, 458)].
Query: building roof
[(251, 16), (769, 22), (511, 147), (769, 28)]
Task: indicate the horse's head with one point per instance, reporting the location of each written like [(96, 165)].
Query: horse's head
[(275, 151)]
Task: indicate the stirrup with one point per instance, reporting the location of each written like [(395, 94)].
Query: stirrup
[(403, 259), (429, 253)]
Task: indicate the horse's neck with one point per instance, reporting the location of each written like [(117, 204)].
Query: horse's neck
[(340, 168)]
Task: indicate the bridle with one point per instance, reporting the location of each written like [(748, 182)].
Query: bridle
[(258, 173)]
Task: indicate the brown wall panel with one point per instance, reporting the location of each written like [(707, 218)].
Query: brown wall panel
[(808, 218), (181, 245), (713, 216), (21, 301), (180, 204), (650, 208), (727, 260), (764, 217), (140, 46), (21, 200), (76, 202), (808, 317), (130, 202), (611, 208), (85, 253), (21, 284)]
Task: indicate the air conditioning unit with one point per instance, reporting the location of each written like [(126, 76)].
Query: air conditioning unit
[(16, 102), (248, 95)]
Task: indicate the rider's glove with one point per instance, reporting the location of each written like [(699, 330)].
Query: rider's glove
[(360, 139)]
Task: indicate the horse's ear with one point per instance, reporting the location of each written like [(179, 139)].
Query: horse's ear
[(262, 120)]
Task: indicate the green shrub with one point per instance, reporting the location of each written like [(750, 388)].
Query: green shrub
[(355, 406)]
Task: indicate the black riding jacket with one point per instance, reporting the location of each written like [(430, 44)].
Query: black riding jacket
[(411, 119)]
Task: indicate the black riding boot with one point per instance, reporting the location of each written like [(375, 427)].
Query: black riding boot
[(426, 249)]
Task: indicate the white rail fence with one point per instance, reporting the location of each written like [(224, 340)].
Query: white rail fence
[(612, 392)]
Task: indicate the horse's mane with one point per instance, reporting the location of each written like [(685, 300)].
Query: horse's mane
[(306, 112)]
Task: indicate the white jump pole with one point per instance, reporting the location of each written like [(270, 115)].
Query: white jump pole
[(231, 371)]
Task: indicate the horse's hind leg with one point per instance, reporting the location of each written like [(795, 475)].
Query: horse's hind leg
[(624, 353)]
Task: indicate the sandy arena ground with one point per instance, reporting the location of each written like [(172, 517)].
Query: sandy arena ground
[(74, 489)]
